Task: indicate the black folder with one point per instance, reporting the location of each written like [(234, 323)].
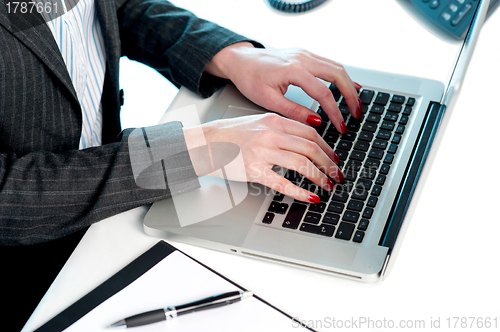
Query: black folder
[(122, 279)]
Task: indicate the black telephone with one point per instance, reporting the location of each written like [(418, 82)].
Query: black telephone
[(450, 16), (295, 7)]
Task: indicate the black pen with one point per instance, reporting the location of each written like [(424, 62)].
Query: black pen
[(172, 312)]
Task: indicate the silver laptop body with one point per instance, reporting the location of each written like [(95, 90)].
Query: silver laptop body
[(234, 217)]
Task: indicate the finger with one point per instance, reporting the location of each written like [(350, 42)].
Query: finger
[(334, 72), (316, 157), (294, 128), (279, 103), (284, 186), (302, 165), (319, 92)]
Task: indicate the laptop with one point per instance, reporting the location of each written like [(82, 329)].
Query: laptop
[(356, 229)]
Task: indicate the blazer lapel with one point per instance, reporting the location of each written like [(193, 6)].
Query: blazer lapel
[(39, 40)]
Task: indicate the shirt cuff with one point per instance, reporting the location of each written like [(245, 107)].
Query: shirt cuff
[(160, 159)]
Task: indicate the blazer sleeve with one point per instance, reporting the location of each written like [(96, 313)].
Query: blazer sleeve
[(47, 195), (173, 41)]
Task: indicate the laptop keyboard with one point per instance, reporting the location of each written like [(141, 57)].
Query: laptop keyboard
[(367, 152)]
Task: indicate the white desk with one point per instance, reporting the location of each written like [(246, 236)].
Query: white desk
[(447, 266)]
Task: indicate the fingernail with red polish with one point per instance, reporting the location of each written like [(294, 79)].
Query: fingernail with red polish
[(343, 128), (359, 110), (331, 185), (314, 199), (313, 121), (336, 158), (358, 86), (340, 176)]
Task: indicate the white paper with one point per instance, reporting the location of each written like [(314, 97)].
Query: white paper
[(177, 280)]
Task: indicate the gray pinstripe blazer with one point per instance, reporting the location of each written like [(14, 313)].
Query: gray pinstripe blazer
[(48, 188)]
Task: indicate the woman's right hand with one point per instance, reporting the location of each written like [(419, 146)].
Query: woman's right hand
[(264, 141)]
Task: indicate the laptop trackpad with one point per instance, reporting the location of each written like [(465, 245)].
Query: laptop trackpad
[(236, 111)]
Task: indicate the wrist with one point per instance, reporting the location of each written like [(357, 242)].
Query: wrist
[(198, 149), (228, 58)]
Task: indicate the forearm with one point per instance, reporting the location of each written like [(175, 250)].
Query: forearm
[(44, 196), (173, 41)]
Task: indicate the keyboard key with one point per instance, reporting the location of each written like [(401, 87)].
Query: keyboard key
[(293, 176), (400, 129), (392, 148), (404, 119), (362, 146), (351, 175), (380, 179), (363, 224), (358, 236), (343, 154), (394, 108), (324, 196), (398, 99), (372, 201), (331, 218), (382, 98), (335, 91), (370, 127), (340, 196), (407, 110), (376, 154), (360, 193), (372, 163), (278, 197), (345, 231), (349, 136), (336, 207), (344, 145), (366, 96), (372, 117), (389, 116), (366, 136), (380, 144), (344, 110), (294, 216), (367, 214), (385, 169), (325, 230), (368, 173), (353, 125), (345, 186), (353, 165), (396, 139), (389, 158), (351, 216), (312, 218), (355, 205), (330, 137), (358, 155), (277, 207), (384, 134), (376, 190), (377, 109), (364, 184), (268, 218), (321, 128), (386, 125), (318, 207), (410, 102), (323, 114)]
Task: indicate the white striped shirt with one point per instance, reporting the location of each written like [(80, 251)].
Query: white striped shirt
[(79, 37)]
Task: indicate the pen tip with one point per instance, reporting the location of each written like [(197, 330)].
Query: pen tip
[(120, 323)]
